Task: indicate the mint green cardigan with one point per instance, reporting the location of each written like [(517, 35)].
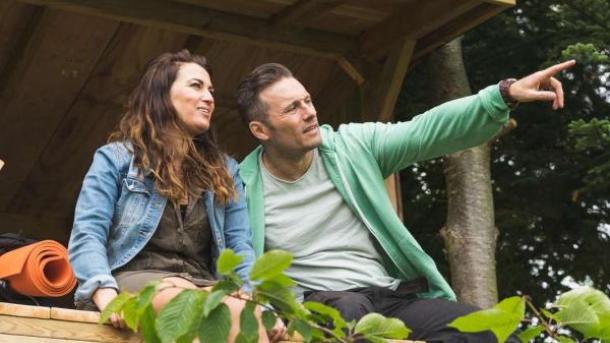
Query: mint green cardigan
[(358, 157)]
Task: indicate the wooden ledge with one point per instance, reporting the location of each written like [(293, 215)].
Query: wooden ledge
[(36, 324)]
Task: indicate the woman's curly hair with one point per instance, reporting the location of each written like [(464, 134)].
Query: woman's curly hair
[(180, 163)]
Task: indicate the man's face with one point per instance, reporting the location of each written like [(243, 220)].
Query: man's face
[(292, 124)]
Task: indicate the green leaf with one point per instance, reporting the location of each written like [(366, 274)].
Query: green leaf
[(280, 298), (329, 312), (248, 325), (143, 300), (513, 305), (586, 310), (605, 334), (216, 326), (145, 296), (184, 339), (147, 327), (280, 280), (304, 329), (177, 317), (130, 314), (213, 300), (225, 285), (115, 306), (565, 339), (376, 325), (227, 261), (530, 333), (269, 320), (271, 264), (548, 314), (503, 319)]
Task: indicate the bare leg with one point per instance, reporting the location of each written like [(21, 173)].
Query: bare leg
[(170, 287)]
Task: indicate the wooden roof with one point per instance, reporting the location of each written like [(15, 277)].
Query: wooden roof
[(67, 66)]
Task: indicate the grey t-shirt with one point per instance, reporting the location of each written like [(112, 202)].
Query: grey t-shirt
[(332, 248)]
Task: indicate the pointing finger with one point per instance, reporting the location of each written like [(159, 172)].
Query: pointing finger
[(554, 69)]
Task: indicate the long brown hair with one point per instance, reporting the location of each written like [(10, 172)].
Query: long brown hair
[(159, 138)]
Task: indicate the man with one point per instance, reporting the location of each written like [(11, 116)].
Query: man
[(319, 193)]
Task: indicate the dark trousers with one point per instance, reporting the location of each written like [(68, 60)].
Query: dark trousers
[(427, 318)]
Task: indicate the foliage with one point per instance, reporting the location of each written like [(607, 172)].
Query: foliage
[(202, 314), (584, 312), (503, 319), (551, 192), (593, 138)]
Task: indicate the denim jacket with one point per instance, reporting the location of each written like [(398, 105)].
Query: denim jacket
[(119, 209)]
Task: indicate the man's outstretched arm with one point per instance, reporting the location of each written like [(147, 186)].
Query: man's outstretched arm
[(458, 124)]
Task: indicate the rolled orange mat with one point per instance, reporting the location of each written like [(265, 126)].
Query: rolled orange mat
[(38, 269)]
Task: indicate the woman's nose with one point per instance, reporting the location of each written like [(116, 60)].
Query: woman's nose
[(207, 96)]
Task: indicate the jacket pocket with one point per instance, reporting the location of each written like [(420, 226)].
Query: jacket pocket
[(132, 203)]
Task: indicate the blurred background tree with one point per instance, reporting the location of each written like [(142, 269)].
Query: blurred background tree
[(550, 175)]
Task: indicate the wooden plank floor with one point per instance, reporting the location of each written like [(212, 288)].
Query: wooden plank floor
[(36, 324)]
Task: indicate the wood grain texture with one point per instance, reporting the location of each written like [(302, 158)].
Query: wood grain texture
[(456, 27), (55, 179), (383, 88), (59, 329), (18, 310), (29, 339), (299, 13), (414, 20), (40, 93), (212, 24), (69, 315)]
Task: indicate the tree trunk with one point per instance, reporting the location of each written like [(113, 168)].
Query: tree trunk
[(470, 233)]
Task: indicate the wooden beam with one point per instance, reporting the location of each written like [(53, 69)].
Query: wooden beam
[(383, 90), (296, 15), (42, 87), (392, 186), (502, 2), (211, 23), (457, 27), (414, 20), (353, 72), (55, 179), (17, 23)]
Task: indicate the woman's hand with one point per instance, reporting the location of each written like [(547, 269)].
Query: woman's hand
[(278, 331), (102, 297)]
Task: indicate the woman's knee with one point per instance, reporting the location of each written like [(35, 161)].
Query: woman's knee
[(168, 289)]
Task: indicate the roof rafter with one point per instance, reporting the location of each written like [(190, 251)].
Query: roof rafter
[(211, 23), (413, 21), (295, 15)]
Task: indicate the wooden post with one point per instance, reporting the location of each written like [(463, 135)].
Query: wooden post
[(380, 100), (381, 93)]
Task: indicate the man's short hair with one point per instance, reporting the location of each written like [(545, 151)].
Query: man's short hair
[(249, 104)]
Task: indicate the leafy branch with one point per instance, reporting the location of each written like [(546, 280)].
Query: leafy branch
[(202, 314)]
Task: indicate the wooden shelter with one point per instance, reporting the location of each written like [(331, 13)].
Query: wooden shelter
[(67, 66)]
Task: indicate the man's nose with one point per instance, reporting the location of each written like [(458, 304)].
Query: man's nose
[(309, 111)]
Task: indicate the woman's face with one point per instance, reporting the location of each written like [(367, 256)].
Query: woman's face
[(191, 95)]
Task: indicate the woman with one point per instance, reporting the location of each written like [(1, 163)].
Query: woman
[(160, 200)]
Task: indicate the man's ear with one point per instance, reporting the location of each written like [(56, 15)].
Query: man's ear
[(259, 130)]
